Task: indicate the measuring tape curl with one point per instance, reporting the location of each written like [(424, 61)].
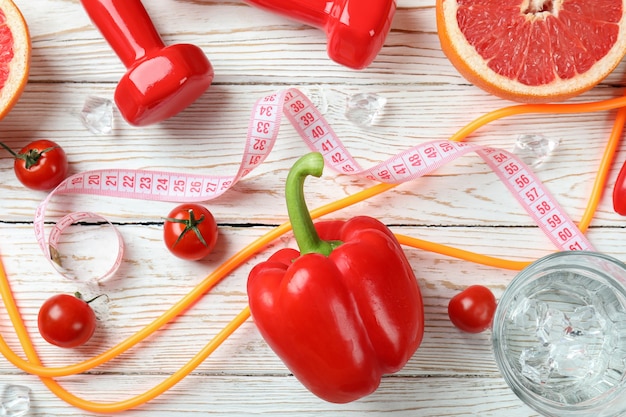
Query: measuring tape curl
[(319, 136)]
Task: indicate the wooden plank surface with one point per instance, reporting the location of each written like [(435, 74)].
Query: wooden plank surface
[(255, 53)]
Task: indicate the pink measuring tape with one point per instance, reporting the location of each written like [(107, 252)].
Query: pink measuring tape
[(263, 131)]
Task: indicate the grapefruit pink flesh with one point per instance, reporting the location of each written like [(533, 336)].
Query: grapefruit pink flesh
[(15, 51), (6, 49), (540, 41)]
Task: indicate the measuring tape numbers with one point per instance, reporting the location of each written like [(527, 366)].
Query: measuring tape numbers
[(316, 132)]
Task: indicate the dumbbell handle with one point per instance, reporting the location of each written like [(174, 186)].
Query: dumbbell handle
[(126, 26), (311, 12)]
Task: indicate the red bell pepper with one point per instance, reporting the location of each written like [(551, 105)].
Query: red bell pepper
[(619, 192), (346, 308)]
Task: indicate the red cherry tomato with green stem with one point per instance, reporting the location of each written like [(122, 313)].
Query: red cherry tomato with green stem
[(41, 165), (472, 309), (190, 231), (66, 320)]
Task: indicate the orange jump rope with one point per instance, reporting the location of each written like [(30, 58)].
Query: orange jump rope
[(33, 364)]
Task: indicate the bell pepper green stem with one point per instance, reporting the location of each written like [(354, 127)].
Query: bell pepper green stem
[(303, 229)]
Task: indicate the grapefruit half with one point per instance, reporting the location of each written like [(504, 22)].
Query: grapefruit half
[(533, 50), (15, 51)]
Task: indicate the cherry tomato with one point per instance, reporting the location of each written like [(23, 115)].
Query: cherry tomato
[(190, 231), (472, 309), (66, 321), (41, 165)]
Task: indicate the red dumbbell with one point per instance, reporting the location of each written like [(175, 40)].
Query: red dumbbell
[(356, 30), (161, 81)]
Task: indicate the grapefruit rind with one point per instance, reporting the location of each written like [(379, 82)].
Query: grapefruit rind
[(20, 63), (474, 68)]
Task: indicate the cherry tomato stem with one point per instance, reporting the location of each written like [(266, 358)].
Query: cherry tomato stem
[(78, 295), (11, 151), (190, 231), (190, 223)]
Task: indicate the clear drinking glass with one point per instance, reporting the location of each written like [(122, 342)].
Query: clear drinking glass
[(559, 335)]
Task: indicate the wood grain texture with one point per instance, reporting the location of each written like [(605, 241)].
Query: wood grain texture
[(254, 53)]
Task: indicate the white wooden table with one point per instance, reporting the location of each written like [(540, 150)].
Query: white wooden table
[(255, 53)]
